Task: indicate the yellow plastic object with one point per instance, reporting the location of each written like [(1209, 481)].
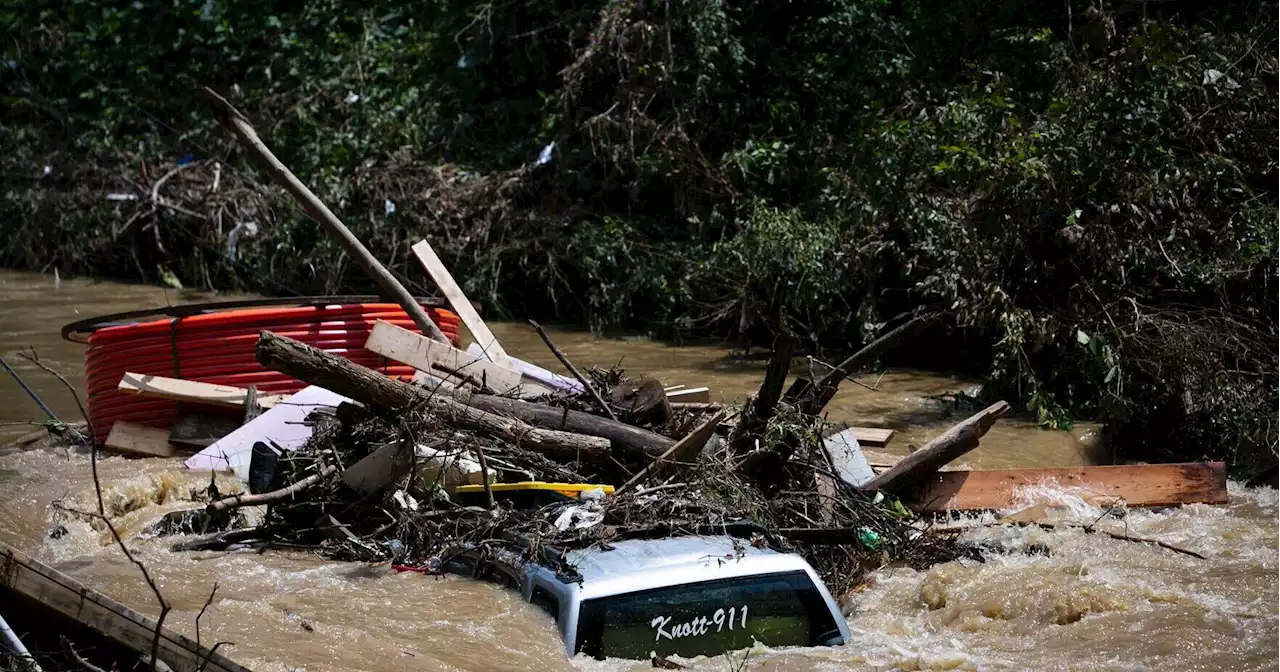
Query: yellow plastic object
[(566, 489)]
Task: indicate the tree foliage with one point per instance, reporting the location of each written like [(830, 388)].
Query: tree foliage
[(1089, 188)]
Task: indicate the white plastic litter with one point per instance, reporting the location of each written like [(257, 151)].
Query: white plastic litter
[(283, 424), (448, 469), (580, 517)]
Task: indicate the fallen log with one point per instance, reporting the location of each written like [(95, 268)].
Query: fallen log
[(1138, 485), (944, 448), (549, 442), (625, 440), (554, 429)]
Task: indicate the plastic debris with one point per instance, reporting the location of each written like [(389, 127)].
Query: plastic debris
[(390, 206), (249, 228), (352, 98), (580, 517), (544, 157), (1212, 77)]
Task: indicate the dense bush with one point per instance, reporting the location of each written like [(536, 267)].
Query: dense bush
[(1088, 188)]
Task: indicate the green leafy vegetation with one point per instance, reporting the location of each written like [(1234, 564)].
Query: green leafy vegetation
[(1087, 188)]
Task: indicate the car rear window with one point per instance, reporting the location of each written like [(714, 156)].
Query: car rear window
[(707, 618)]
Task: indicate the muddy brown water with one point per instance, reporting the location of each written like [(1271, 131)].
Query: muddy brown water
[(1091, 603)]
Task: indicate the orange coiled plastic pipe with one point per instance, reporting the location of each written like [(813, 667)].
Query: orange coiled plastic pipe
[(219, 348)]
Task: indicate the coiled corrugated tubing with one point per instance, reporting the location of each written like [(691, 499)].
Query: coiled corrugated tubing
[(219, 348)]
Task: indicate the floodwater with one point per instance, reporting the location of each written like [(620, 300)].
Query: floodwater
[(1090, 603)]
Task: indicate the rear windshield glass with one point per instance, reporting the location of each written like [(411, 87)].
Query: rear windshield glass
[(707, 618)]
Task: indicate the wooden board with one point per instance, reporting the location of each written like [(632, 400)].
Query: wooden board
[(190, 391), (63, 594), (1144, 485), (871, 436), (699, 394), (685, 450), (135, 439), (422, 353), (202, 429), (466, 312)]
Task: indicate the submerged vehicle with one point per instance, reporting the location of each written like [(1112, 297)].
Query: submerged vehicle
[(685, 596)]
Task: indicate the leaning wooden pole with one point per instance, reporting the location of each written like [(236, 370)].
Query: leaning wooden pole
[(944, 448), (234, 121)]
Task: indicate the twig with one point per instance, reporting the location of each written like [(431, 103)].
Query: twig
[(35, 359), (202, 610), (204, 660), (242, 499), (1126, 537), (484, 476), (146, 575), (76, 657), (457, 373), (574, 370)]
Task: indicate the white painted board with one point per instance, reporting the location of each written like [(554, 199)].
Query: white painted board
[(534, 372), (284, 424), (846, 455)]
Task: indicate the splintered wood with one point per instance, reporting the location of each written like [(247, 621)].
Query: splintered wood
[(1144, 485), (438, 359)]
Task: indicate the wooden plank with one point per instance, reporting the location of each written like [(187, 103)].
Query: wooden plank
[(190, 391), (202, 429), (63, 594), (847, 459), (872, 436), (1144, 485), (700, 394), (685, 450), (423, 354), (135, 439), (466, 312)]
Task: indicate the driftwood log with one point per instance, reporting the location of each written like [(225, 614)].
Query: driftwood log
[(549, 442), (944, 448), (243, 499), (627, 441), (553, 429)]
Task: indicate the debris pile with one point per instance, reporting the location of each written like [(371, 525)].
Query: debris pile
[(430, 476)]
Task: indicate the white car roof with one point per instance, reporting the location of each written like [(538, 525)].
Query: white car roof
[(641, 564)]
